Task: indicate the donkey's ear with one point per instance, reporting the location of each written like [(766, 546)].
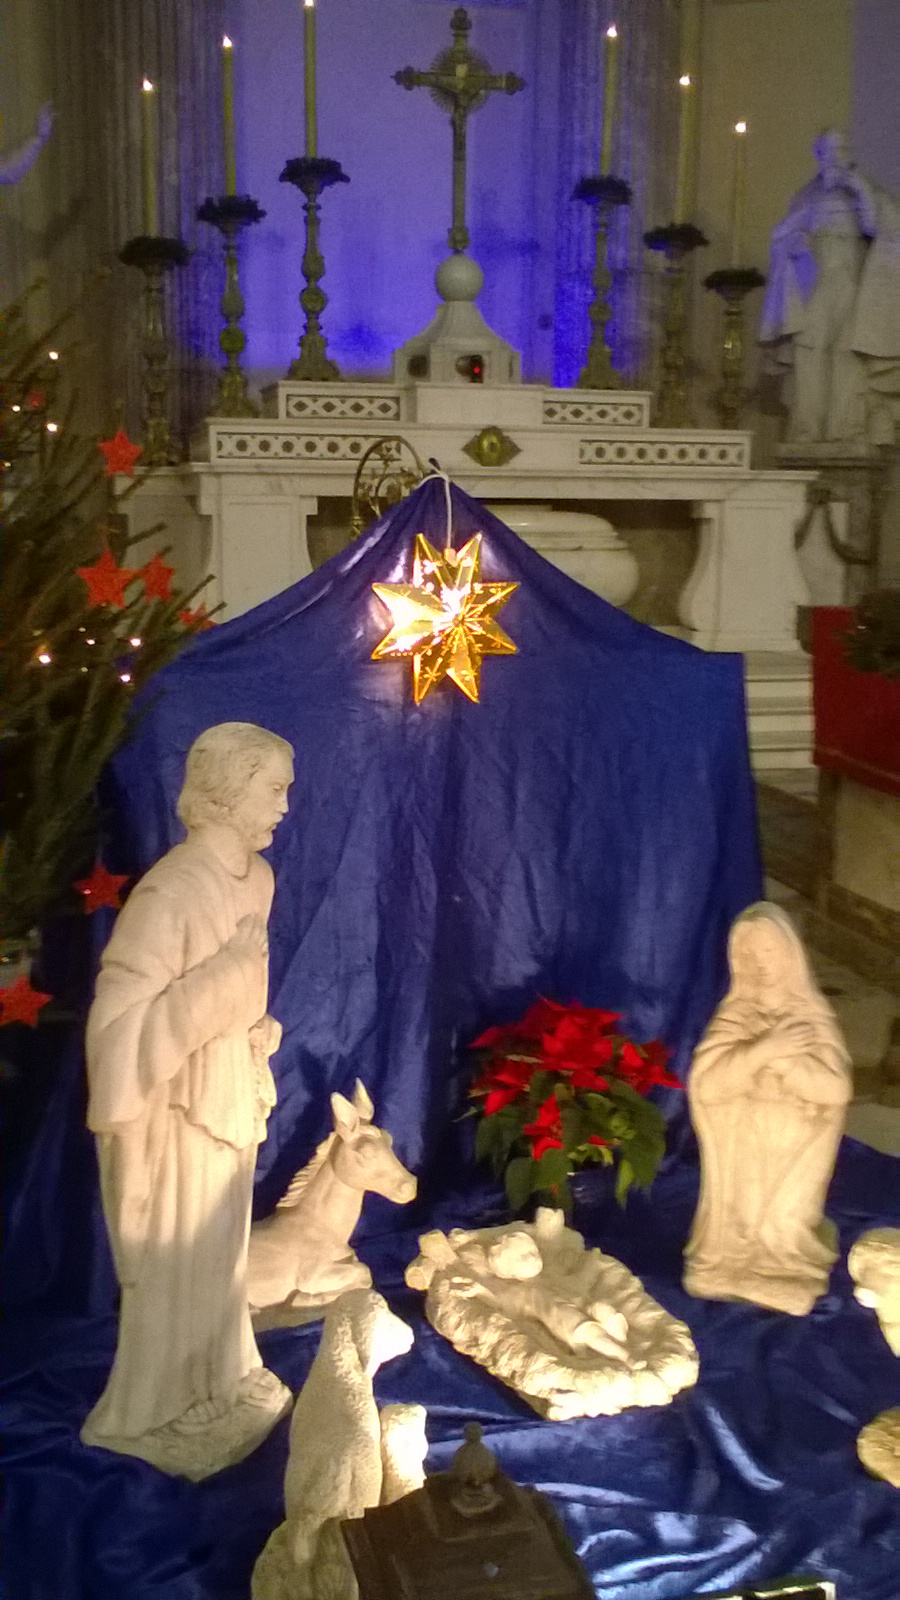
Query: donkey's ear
[(346, 1117), (362, 1102)]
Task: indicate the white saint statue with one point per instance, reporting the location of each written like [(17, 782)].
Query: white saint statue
[(831, 307), (180, 1088), (768, 1088)]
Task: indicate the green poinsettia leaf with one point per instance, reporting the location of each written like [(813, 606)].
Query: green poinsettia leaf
[(560, 1197), (520, 1175), (624, 1178), (552, 1169), (540, 1088), (575, 1128), (643, 1160)]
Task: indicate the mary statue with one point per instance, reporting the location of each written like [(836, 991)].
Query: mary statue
[(767, 1089), (831, 309)]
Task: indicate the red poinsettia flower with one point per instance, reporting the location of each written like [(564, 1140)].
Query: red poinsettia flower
[(585, 1080), (545, 1132), (594, 1138), (579, 1041), (503, 1083), (645, 1066), (657, 1058)]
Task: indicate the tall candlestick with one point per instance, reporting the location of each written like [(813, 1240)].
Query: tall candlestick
[(309, 55), (685, 145), (228, 114), (738, 193), (148, 140), (610, 91)]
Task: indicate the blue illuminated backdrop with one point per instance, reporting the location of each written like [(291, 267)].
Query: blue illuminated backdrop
[(384, 234)]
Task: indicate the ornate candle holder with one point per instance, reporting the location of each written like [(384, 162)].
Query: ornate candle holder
[(604, 193), (230, 213), (154, 255), (312, 175), (732, 285), (676, 241)]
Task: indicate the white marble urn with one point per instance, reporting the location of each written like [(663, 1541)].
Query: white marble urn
[(585, 547)]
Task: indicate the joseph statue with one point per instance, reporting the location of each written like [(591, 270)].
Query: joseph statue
[(178, 1042)]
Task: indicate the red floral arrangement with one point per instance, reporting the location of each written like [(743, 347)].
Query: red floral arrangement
[(563, 1088)]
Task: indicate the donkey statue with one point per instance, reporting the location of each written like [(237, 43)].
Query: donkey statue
[(300, 1257)]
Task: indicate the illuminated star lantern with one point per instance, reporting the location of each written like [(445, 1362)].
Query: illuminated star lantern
[(101, 888), (445, 619), (119, 454)]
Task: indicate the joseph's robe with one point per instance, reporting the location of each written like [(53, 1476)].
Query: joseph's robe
[(178, 1101)]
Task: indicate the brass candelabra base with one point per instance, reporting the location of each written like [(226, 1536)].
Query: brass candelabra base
[(677, 241), (230, 213), (604, 194), (732, 285), (312, 175), (155, 255)]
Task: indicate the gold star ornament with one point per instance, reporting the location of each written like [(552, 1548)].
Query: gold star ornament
[(445, 619)]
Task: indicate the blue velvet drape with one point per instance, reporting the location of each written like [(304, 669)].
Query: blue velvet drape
[(586, 831)]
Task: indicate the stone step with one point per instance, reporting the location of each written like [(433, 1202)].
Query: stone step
[(779, 710)]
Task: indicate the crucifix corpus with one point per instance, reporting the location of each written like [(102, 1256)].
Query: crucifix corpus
[(460, 81)]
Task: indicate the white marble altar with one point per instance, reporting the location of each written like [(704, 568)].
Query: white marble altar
[(300, 1257), (571, 1330), (249, 502), (768, 1089), (180, 1088), (343, 1453)]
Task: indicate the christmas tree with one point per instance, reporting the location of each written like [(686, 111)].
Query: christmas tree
[(81, 631)]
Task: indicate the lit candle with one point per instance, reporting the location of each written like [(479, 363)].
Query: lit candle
[(148, 130), (309, 53), (610, 88), (690, 32), (738, 193), (685, 145), (228, 114)]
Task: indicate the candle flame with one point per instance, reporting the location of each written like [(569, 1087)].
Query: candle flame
[(309, 5), (740, 127), (612, 31), (226, 42), (52, 355), (685, 80), (147, 86), (52, 427)]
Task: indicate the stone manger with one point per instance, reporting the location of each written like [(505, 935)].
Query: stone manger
[(569, 1328)]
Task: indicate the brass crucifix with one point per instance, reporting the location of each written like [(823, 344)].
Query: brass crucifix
[(460, 81)]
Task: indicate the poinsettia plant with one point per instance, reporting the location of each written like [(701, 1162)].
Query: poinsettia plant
[(565, 1088)]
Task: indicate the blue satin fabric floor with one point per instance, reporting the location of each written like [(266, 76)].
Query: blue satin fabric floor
[(751, 1475)]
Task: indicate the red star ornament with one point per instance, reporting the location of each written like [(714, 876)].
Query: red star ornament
[(119, 454), (107, 581), (157, 578), (21, 1003), (196, 619), (101, 888)]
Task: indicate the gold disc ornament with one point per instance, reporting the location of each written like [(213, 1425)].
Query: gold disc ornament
[(444, 620)]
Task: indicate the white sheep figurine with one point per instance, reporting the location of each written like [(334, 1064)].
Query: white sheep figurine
[(344, 1455)]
